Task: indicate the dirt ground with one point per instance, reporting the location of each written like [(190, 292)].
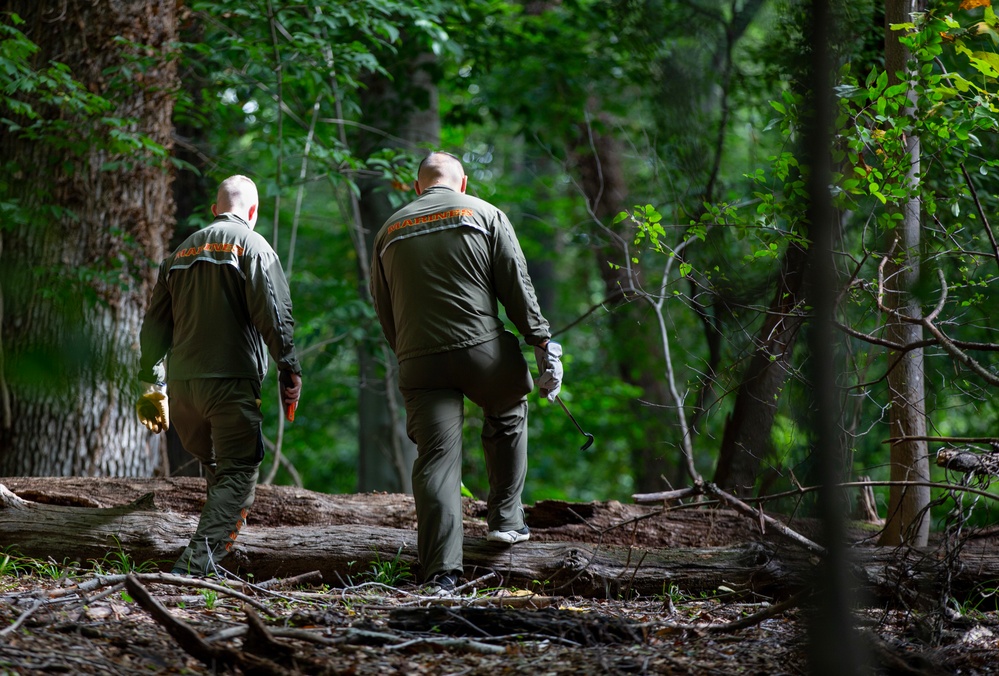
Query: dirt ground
[(370, 630), (81, 620)]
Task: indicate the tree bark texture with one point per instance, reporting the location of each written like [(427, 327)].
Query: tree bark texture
[(75, 274), (746, 440), (907, 520), (340, 536)]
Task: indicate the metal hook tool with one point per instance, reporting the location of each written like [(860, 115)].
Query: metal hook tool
[(589, 437)]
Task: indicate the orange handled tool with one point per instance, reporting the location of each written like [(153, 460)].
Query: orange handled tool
[(290, 412)]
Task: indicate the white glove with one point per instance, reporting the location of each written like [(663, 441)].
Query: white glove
[(153, 407), (550, 371)]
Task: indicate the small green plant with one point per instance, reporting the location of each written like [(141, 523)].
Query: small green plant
[(53, 570), (540, 586), (674, 594), (11, 565), (390, 573), (211, 598), (119, 561), (982, 596)]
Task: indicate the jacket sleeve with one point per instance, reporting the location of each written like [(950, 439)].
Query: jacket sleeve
[(513, 285), (156, 334), (380, 296), (269, 301)]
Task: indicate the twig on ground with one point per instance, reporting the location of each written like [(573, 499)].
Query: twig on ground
[(24, 616), (765, 614), (312, 576), (466, 644), (193, 644)]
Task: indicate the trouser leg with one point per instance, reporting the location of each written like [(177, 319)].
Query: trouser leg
[(504, 442), (499, 381), (434, 422), (231, 452), (495, 376)]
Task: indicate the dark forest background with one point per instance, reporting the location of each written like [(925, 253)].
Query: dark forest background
[(652, 157)]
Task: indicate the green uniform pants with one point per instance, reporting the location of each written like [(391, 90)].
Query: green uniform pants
[(495, 376), (218, 421)]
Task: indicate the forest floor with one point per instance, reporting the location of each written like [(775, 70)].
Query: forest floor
[(59, 619)]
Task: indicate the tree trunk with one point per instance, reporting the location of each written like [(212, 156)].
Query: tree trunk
[(75, 276), (746, 440), (907, 520)]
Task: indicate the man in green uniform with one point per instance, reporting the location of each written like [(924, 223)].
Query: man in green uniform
[(220, 303), (440, 268)]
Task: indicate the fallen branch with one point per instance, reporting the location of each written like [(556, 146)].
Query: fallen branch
[(165, 578), (772, 610), (464, 644), (214, 657), (304, 578), (707, 488), (745, 509), (968, 462)]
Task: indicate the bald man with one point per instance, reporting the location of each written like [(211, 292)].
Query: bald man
[(441, 266), (221, 303)]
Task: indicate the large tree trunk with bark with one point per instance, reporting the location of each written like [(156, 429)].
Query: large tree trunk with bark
[(908, 520), (75, 276)]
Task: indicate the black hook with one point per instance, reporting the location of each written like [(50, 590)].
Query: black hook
[(589, 437)]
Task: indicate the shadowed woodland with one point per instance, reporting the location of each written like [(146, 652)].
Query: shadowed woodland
[(761, 231)]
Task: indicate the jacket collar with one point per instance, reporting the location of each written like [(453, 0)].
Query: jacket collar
[(230, 217)]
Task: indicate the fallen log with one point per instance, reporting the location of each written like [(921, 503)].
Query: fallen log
[(609, 522), (274, 505), (345, 555)]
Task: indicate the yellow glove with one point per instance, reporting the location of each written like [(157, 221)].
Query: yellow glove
[(153, 407)]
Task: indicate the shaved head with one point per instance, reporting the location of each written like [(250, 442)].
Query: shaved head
[(238, 195), (440, 168)]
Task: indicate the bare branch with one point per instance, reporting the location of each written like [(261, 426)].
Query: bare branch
[(981, 212)]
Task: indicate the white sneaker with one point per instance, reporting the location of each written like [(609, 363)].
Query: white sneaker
[(509, 536)]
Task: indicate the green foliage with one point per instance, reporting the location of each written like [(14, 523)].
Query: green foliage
[(29, 92), (210, 596), (709, 123), (949, 105), (120, 562), (11, 565), (392, 573), (47, 105)]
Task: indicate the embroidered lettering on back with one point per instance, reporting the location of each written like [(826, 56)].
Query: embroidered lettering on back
[(429, 218), (222, 247)]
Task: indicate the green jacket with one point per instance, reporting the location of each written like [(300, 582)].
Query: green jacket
[(439, 267), (220, 303)]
